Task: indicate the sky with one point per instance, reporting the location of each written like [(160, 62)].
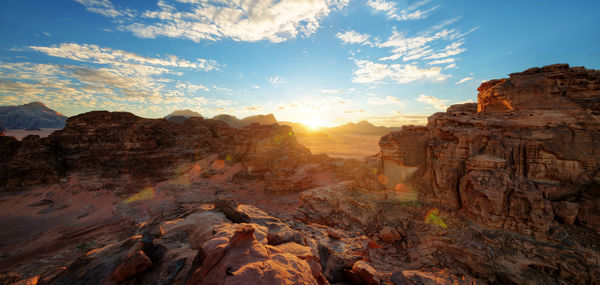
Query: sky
[(321, 62)]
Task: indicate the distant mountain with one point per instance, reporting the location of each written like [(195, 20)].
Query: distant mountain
[(362, 128), (298, 128), (237, 123), (34, 114), (183, 113)]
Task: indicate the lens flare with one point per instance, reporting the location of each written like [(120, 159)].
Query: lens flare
[(218, 164), (382, 179), (433, 217), (145, 194)]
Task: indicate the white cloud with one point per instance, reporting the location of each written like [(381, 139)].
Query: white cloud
[(420, 47), (410, 13), (243, 20), (437, 103), (255, 86), (104, 8), (352, 37), (103, 55), (441, 61), (450, 50), (222, 89), (371, 72), (450, 66), (388, 100), (191, 87), (332, 91), (104, 78), (276, 80), (464, 80)]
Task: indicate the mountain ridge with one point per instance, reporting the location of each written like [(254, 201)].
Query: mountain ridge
[(33, 114)]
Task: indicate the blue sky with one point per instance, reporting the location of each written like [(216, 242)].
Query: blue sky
[(324, 62)]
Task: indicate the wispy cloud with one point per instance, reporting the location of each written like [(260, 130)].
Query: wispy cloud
[(352, 37), (420, 47), (245, 20), (388, 100), (105, 8), (276, 80), (222, 89), (121, 58), (101, 77), (191, 87), (412, 12), (464, 80), (437, 103), (371, 72)]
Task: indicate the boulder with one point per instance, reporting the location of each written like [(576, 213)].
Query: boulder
[(134, 263)]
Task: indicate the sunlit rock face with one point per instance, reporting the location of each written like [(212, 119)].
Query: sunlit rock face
[(523, 160), (113, 144), (548, 88)]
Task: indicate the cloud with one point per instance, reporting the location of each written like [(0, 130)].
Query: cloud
[(276, 80), (104, 78), (388, 100), (410, 13), (104, 8), (191, 87), (464, 80), (255, 86), (420, 47), (441, 61), (332, 91), (244, 20), (253, 108), (352, 37), (437, 103), (121, 58), (371, 72), (222, 89), (450, 66)]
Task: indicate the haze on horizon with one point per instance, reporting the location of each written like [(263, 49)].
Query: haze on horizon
[(325, 62)]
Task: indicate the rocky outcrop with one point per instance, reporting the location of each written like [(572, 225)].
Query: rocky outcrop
[(31, 114), (523, 160), (116, 144), (234, 122)]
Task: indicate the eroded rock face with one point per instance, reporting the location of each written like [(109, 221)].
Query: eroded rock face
[(522, 160), (112, 144), (553, 87)]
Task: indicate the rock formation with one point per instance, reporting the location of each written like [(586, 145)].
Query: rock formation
[(234, 122), (523, 160), (116, 144), (32, 114)]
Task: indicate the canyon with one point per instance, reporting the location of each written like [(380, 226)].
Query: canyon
[(502, 191)]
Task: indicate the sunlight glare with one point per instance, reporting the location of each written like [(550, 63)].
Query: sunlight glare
[(314, 123)]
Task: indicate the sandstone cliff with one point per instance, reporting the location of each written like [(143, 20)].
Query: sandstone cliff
[(121, 144), (524, 160)]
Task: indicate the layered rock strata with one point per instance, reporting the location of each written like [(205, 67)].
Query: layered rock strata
[(524, 160)]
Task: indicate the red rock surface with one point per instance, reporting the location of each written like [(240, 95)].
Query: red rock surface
[(522, 160), (135, 263), (122, 144)]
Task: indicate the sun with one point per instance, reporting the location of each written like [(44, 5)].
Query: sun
[(314, 123)]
